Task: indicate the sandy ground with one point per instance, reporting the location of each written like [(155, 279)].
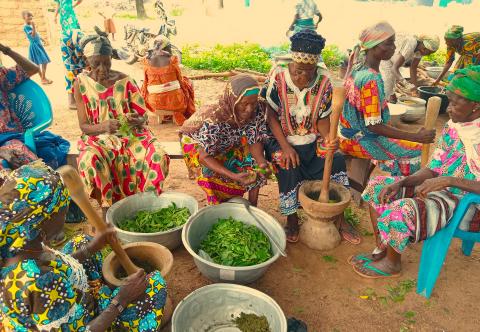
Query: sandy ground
[(317, 287)]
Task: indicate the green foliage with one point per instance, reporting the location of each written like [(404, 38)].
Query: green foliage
[(232, 243), (332, 56), (395, 293), (156, 221), (177, 11), (438, 58)]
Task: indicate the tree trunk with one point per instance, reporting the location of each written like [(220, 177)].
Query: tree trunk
[(220, 4), (140, 9)]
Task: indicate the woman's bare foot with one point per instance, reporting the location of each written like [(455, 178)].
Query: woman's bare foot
[(292, 229), (46, 81), (383, 268)]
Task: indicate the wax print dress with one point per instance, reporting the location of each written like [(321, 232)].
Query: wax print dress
[(366, 105), (116, 165), (409, 219), (306, 11), (469, 54), (51, 148), (298, 113), (36, 51), (69, 42)]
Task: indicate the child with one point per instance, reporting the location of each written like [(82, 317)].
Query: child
[(36, 52), (108, 15)]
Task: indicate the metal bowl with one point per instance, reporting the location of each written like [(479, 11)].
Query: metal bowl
[(212, 308), (415, 108), (150, 201), (434, 72), (200, 224)]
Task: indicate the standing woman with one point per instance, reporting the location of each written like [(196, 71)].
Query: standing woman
[(71, 51), (365, 132), (305, 13), (467, 45)]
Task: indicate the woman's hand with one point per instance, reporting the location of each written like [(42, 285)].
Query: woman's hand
[(102, 239), (111, 126), (290, 157), (435, 184), (333, 145), (425, 136), (12, 157), (245, 179), (389, 192), (135, 120), (135, 287)]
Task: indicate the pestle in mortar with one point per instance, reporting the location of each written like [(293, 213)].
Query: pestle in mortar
[(337, 108), (77, 191), (433, 107)]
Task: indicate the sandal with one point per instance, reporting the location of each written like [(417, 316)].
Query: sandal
[(361, 258), (350, 234), (378, 273), (292, 234)]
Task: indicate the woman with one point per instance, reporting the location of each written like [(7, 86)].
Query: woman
[(69, 40), (413, 208), (305, 12), (164, 87), (364, 128), (13, 152), (299, 105), (467, 45), (409, 50), (118, 154), (42, 289), (223, 143)]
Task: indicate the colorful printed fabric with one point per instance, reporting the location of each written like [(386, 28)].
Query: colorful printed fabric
[(306, 9), (218, 188), (454, 32), (366, 105), (166, 89), (118, 166), (375, 35), (431, 42), (469, 53), (466, 83), (411, 219), (68, 18), (72, 56), (9, 79), (50, 296), (30, 195), (36, 51)]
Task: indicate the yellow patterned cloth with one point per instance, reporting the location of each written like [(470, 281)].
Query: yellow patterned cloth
[(469, 53)]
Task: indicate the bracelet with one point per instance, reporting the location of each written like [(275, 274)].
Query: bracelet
[(117, 305)]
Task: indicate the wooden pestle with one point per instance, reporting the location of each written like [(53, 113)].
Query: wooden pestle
[(72, 181), (337, 108), (433, 107)]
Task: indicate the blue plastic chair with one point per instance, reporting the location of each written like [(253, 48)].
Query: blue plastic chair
[(33, 108), (435, 249)]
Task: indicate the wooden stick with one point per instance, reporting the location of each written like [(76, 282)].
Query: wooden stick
[(337, 108), (433, 107), (77, 191)]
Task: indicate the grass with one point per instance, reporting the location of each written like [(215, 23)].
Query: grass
[(395, 293), (329, 259), (130, 16)]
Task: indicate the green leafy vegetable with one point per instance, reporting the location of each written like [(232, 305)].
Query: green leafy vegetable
[(232, 243), (252, 323), (125, 129), (155, 221)]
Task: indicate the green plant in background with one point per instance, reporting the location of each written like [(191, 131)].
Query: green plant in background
[(438, 58), (177, 11), (332, 56)]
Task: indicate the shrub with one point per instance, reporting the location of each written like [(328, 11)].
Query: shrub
[(332, 56), (437, 58)]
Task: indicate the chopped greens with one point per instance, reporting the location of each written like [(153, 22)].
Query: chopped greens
[(155, 221), (252, 323), (125, 129), (232, 243)]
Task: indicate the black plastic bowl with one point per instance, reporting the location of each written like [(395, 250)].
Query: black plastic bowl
[(429, 91)]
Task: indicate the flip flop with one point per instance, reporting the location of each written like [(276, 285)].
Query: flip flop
[(350, 234), (379, 273), (290, 232), (359, 258)]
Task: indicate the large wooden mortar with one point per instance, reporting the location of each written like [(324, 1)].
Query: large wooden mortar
[(319, 231)]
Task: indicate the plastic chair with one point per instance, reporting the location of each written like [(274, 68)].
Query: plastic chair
[(33, 108), (435, 249)]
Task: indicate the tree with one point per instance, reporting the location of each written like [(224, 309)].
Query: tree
[(141, 13), (220, 4)]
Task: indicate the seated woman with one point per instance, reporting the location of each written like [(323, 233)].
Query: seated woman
[(119, 156), (63, 291), (414, 208), (13, 152), (299, 99), (364, 128), (164, 87), (410, 49), (222, 143)]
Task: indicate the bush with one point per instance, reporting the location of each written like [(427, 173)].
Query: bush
[(437, 58), (246, 56)]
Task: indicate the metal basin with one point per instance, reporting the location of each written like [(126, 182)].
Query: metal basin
[(415, 108), (200, 224), (429, 91), (150, 201), (210, 308)]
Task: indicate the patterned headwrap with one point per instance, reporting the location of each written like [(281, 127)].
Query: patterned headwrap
[(307, 47), (30, 195), (369, 38), (239, 86), (455, 32), (432, 43), (466, 83), (159, 43), (98, 44)]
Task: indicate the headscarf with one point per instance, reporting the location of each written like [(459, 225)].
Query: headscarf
[(432, 43), (466, 83), (237, 87), (455, 32), (159, 43), (369, 38), (30, 195), (307, 47), (98, 44)]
